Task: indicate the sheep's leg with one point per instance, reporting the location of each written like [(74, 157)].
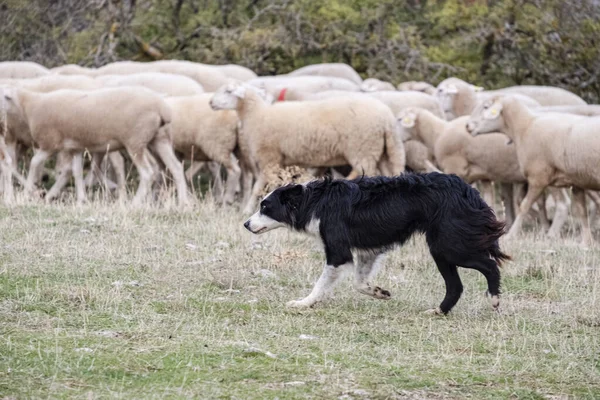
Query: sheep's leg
[(78, 176), (8, 170), (35, 168), (94, 174), (260, 183), (542, 212), (193, 170), (146, 173), (533, 192), (561, 212), (233, 179), (118, 164), (429, 167), (247, 181), (487, 190), (65, 167), (581, 211), (164, 149), (506, 192), (217, 185)]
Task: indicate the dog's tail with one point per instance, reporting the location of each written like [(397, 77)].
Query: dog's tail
[(493, 229)]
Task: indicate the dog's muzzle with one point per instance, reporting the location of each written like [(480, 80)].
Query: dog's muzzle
[(247, 225)]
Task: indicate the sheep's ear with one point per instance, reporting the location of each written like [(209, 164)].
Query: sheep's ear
[(493, 112), (451, 89), (407, 121), (239, 92)]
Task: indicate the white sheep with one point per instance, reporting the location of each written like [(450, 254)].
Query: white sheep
[(482, 158), (72, 121), (207, 76), (22, 70), (336, 70), (418, 157), (236, 72), (73, 69), (160, 82), (553, 149), (278, 86), (417, 86), (358, 132), (589, 110), (459, 98), (201, 134), (376, 85)]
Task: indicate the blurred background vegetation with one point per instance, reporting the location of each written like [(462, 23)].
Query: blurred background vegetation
[(492, 43)]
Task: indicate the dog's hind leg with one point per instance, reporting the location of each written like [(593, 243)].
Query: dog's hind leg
[(367, 265), (490, 270), (454, 286), (329, 278)]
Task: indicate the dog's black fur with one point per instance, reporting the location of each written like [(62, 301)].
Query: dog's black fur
[(378, 213)]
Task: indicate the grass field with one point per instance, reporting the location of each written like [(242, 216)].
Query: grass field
[(105, 302)]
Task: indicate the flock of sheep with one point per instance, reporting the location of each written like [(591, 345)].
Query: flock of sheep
[(321, 117)]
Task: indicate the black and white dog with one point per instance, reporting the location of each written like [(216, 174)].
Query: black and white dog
[(368, 216)]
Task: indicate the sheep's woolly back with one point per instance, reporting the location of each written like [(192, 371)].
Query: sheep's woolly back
[(50, 83), (207, 76), (22, 70), (337, 70), (127, 117), (545, 95), (160, 82), (323, 133), (199, 132)]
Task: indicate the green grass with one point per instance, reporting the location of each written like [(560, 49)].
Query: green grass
[(106, 302)]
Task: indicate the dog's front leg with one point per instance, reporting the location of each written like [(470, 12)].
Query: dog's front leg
[(367, 266), (330, 277)]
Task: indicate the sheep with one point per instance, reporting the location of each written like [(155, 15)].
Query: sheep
[(335, 70), (167, 84), (589, 110), (73, 121), (73, 69), (418, 157), (545, 95), (359, 132), (201, 134), (459, 98), (484, 158), (210, 78), (236, 72), (22, 70), (277, 86), (553, 149), (376, 85), (49, 83), (17, 132), (417, 86)]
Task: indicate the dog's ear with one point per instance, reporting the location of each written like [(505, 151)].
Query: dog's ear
[(292, 195)]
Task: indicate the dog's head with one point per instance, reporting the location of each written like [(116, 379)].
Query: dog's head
[(279, 208)]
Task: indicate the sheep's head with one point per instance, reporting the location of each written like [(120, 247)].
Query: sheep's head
[(228, 96), (486, 117), (445, 94), (406, 121)]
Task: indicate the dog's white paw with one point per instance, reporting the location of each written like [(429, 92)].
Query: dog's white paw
[(298, 304), (433, 311)]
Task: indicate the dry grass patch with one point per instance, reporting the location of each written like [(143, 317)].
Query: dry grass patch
[(102, 301)]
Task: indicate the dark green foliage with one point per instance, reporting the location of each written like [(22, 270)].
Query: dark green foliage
[(492, 43)]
